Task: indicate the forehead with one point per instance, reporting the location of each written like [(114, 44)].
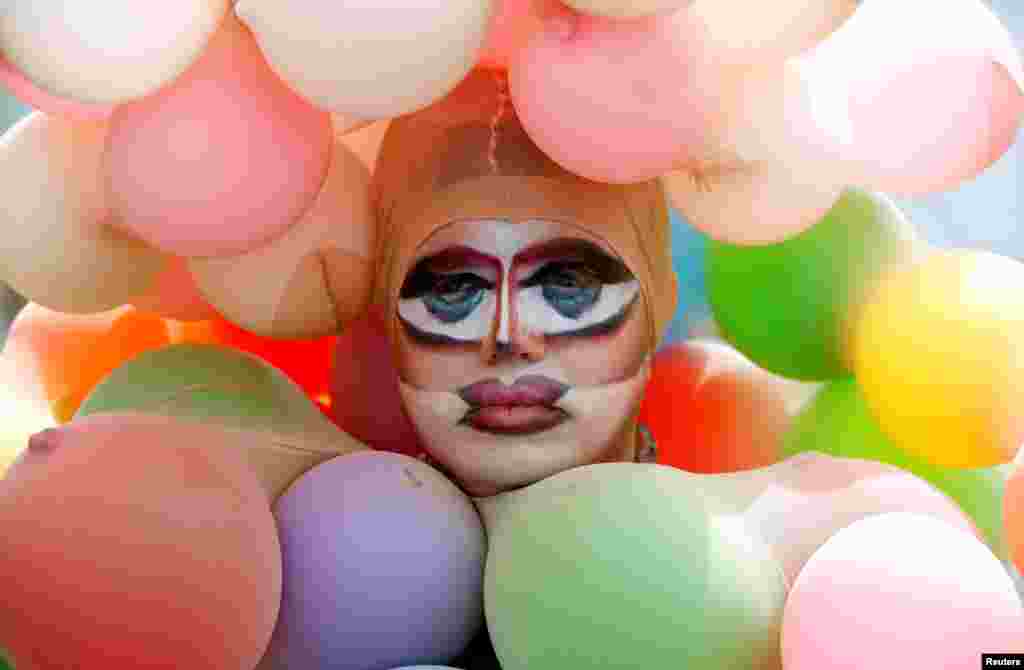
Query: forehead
[(503, 238)]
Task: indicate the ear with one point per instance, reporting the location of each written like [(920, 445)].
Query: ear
[(314, 279)]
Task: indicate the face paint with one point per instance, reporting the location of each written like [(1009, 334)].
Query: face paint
[(523, 348)]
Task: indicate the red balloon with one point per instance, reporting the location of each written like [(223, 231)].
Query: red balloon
[(365, 400), (711, 410)]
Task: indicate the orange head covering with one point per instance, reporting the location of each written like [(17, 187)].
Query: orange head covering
[(467, 156)]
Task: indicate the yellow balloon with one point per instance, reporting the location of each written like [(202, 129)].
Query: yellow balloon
[(938, 350)]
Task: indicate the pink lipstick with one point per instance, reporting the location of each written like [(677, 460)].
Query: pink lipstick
[(525, 407)]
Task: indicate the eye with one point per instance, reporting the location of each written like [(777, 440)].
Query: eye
[(452, 298), (570, 288)]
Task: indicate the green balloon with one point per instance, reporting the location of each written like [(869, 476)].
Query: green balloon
[(207, 382), (783, 305), (838, 422), (4, 663), (622, 566)]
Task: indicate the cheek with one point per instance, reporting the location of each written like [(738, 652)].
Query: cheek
[(608, 359), (437, 368)]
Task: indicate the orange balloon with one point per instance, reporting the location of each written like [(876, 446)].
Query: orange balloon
[(711, 410), (133, 541), (1013, 515), (74, 352), (306, 362)]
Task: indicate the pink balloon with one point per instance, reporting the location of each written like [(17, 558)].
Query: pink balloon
[(365, 401), (513, 24), (25, 90), (173, 295), (223, 160), (618, 100), (920, 96), (901, 590)]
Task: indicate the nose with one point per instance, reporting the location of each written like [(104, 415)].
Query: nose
[(510, 337)]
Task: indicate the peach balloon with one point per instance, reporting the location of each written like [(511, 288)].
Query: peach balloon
[(751, 203), (513, 24), (174, 295), (901, 590), (74, 352), (35, 97), (771, 30), (60, 247), (907, 97), (627, 9), (316, 277), (131, 541), (618, 101), (1013, 513), (107, 54), (369, 60), (23, 407), (365, 142), (818, 495), (222, 161)]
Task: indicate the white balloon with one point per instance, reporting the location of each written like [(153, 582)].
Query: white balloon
[(626, 9), (106, 52), (59, 248), (369, 60)]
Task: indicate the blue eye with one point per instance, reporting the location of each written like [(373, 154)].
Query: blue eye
[(452, 298), (570, 290)]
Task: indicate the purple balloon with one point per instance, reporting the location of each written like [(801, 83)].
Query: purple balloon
[(383, 567)]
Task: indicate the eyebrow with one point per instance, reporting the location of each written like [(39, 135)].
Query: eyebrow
[(609, 268)]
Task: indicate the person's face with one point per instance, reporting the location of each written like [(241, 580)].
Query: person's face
[(523, 350)]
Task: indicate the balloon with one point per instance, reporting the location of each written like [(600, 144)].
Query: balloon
[(37, 98), (1012, 512), (787, 305), (689, 250), (307, 362), (60, 247), (937, 352), (74, 51), (513, 24), (357, 59), (144, 548), (628, 9), (383, 564), (889, 102), (287, 434), (365, 399), (751, 203), (623, 565), (173, 294), (365, 142), (769, 32), (11, 305), (182, 163), (664, 84), (900, 590), (23, 408), (816, 496), (839, 423), (710, 409), (322, 266), (72, 353)]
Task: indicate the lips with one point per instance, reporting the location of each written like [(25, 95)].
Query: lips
[(525, 407)]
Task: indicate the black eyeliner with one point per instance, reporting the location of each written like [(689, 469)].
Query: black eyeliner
[(607, 327)]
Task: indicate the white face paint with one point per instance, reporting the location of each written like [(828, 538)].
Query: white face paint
[(559, 287)]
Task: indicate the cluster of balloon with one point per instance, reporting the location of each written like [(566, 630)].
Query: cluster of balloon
[(839, 422), (71, 353), (383, 566), (709, 409), (242, 402), (787, 305), (960, 312), (944, 591), (168, 551), (365, 399), (305, 361), (705, 592), (797, 504)]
